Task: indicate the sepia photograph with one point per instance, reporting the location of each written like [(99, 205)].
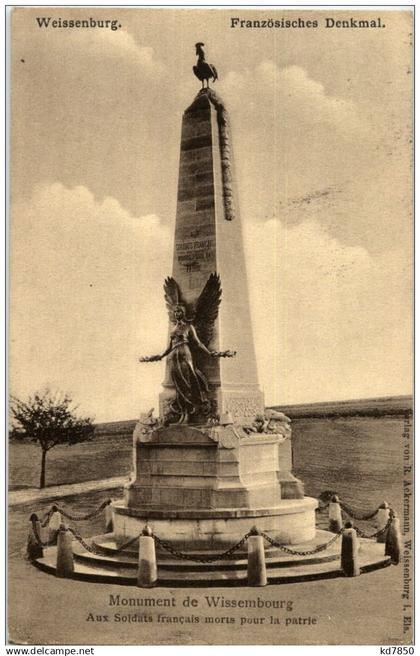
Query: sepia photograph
[(210, 326)]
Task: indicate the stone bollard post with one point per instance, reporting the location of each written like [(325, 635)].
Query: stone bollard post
[(350, 551), (109, 517), (393, 540), (54, 525), (147, 568), (34, 548), (382, 518), (257, 574), (65, 562), (334, 515)]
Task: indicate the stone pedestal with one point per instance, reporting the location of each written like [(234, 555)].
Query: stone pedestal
[(205, 487)]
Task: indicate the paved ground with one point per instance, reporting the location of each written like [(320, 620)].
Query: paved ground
[(45, 610), (29, 495), (363, 610)]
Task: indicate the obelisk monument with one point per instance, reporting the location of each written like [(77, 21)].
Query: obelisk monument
[(214, 469), (212, 447), (208, 238)]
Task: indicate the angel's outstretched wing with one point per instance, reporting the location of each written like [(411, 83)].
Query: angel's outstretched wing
[(173, 296), (207, 308)]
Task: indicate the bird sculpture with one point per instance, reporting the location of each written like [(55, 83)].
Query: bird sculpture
[(203, 70)]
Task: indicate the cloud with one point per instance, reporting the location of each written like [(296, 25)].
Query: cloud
[(86, 298), (286, 125), (121, 44), (315, 155), (297, 91), (330, 320), (297, 130), (88, 110), (77, 49), (292, 95), (337, 319)]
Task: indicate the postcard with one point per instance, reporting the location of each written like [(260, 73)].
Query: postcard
[(210, 347)]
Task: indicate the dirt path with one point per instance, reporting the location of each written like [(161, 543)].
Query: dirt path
[(29, 495)]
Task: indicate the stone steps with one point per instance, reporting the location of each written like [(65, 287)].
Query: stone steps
[(184, 565), (274, 557), (123, 570), (109, 545)]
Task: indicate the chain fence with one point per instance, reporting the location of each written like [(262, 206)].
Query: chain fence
[(379, 532), (306, 552), (210, 559), (41, 542), (46, 518), (74, 518), (170, 548), (97, 550), (321, 509), (357, 516)]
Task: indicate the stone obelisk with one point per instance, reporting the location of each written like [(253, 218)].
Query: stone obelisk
[(208, 238), (202, 480), (205, 485)]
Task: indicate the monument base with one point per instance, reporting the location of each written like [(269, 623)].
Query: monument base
[(206, 486), (201, 491), (106, 562), (291, 521)]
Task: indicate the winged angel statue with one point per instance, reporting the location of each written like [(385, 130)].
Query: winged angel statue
[(189, 342)]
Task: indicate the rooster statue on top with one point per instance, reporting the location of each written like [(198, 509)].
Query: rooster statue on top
[(203, 70)]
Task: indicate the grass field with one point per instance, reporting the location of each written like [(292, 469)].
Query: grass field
[(361, 458), (378, 407), (103, 457)]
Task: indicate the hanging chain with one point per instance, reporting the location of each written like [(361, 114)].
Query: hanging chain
[(127, 544), (373, 535), (41, 542), (83, 542), (210, 559), (355, 515), (308, 552), (167, 546), (98, 550), (320, 509), (82, 518), (46, 519)]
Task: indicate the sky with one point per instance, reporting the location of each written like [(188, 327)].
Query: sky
[(321, 124)]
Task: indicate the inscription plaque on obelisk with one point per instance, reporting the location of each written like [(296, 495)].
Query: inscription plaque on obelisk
[(208, 238)]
